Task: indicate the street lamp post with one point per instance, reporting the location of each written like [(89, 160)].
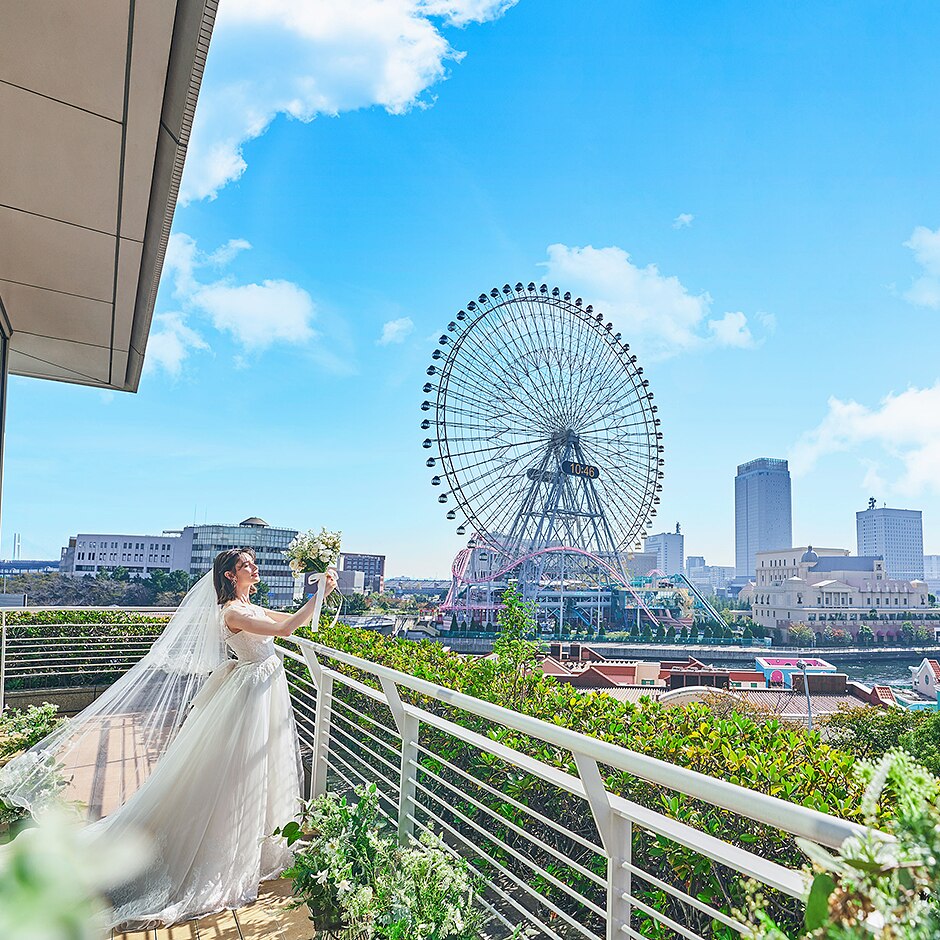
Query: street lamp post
[(801, 664)]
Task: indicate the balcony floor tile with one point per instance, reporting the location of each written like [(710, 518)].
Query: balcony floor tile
[(269, 918)]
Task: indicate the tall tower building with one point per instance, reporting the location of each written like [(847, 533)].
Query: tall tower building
[(897, 535), (762, 511), (670, 551)]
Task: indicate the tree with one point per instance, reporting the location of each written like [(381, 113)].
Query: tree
[(836, 636), (262, 594), (923, 634), (684, 634), (707, 633), (865, 636), (355, 604), (516, 648), (906, 634), (800, 634)]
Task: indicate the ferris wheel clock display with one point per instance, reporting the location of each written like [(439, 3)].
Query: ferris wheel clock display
[(542, 432)]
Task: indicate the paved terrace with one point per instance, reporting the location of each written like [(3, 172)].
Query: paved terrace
[(270, 918)]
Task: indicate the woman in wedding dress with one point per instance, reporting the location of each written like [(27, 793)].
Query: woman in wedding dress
[(228, 772)]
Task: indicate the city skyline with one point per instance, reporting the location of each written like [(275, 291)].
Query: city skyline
[(728, 187)]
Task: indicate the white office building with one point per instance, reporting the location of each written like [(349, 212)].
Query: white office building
[(191, 549), (932, 572), (762, 511), (709, 579), (89, 553), (670, 551), (897, 535)]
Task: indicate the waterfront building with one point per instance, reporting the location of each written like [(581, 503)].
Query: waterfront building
[(830, 587), (932, 573), (762, 511), (925, 679), (897, 535), (779, 670), (199, 544), (88, 553), (371, 566), (670, 551)]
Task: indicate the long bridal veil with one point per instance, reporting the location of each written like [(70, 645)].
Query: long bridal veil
[(99, 758)]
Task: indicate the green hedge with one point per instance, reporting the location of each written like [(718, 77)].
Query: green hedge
[(753, 750), (82, 630)]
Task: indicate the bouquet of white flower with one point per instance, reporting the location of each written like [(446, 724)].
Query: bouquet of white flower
[(310, 551)]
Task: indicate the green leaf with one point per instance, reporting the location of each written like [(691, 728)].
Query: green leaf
[(817, 904)]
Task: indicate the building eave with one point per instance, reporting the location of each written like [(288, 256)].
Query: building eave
[(96, 111)]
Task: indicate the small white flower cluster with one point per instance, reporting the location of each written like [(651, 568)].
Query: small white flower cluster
[(311, 551)]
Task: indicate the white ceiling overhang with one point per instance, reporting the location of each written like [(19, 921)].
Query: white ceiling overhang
[(96, 105)]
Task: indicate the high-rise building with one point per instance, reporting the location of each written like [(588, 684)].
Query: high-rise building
[(199, 544), (897, 535), (371, 566), (762, 511), (640, 564), (670, 551), (932, 572)]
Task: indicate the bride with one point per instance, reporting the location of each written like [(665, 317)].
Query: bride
[(195, 749)]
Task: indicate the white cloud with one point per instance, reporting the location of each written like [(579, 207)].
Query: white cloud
[(683, 220), (732, 330), (655, 312), (255, 315), (396, 331), (925, 290), (170, 344), (316, 57), (904, 430), (767, 320), (258, 315)]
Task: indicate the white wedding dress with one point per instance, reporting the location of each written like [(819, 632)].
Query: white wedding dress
[(230, 777)]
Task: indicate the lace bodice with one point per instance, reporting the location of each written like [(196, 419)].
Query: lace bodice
[(249, 647)]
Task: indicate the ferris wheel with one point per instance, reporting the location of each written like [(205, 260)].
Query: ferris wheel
[(545, 434)]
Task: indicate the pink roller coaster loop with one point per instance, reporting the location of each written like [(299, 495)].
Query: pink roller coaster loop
[(463, 559)]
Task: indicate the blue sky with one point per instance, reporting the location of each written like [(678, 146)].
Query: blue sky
[(749, 191)]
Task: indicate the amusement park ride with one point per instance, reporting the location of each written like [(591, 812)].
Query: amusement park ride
[(545, 445)]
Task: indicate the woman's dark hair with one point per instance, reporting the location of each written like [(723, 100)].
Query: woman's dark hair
[(224, 563)]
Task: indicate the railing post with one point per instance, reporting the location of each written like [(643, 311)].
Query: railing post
[(323, 718), (409, 772), (409, 728), (616, 834), (3, 659), (321, 737)]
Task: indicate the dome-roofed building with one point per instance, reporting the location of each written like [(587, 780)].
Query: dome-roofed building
[(199, 544), (829, 587)]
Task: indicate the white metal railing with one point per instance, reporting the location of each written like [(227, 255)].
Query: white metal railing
[(524, 800), (547, 866), (39, 657)]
